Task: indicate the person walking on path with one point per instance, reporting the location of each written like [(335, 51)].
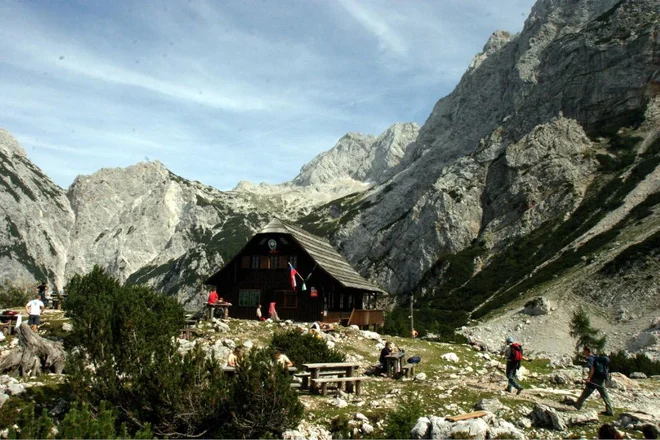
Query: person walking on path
[(598, 373), (514, 355), (34, 309)]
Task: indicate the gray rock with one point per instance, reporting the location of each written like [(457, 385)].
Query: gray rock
[(503, 429), (546, 417), (491, 405), (360, 416), (221, 327), (7, 380), (620, 381), (3, 399), (440, 428), (473, 428), (537, 306), (421, 428), (420, 376), (367, 428), (339, 403), (67, 327), (15, 389), (638, 375)]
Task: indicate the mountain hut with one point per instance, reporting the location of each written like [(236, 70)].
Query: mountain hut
[(327, 288)]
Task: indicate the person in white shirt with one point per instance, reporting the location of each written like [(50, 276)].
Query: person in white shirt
[(34, 308)]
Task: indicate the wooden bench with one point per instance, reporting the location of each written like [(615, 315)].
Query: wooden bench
[(186, 332), (348, 381), (409, 370), (305, 376)]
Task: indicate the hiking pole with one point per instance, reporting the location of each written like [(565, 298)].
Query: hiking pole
[(596, 385)]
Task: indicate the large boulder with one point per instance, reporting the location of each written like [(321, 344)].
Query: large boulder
[(621, 382), (544, 416), (473, 428), (537, 306), (491, 405), (421, 428), (307, 431)]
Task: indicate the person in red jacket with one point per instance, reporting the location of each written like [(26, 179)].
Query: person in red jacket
[(213, 297)]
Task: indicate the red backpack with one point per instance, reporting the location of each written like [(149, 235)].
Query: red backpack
[(516, 352)]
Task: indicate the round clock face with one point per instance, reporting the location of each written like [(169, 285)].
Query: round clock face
[(272, 244)]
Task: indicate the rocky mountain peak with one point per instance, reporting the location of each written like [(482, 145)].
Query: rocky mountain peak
[(10, 145), (495, 43), (364, 158)]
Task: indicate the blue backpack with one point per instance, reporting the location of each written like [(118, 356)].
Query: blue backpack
[(601, 367)]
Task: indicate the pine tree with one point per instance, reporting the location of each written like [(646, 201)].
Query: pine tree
[(262, 402), (584, 333)]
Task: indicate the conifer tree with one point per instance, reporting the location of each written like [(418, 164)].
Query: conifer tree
[(584, 333)]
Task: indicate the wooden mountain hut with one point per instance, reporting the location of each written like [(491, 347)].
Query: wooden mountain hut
[(327, 288)]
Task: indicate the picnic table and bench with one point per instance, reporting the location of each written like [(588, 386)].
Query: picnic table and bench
[(8, 322), (222, 306), (341, 373)]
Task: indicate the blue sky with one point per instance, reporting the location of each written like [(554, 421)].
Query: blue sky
[(222, 91)]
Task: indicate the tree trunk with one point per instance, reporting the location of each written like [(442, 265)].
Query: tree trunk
[(33, 354)]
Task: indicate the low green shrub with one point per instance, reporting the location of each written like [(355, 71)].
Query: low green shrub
[(622, 363), (304, 348), (402, 419), (12, 296), (262, 403)]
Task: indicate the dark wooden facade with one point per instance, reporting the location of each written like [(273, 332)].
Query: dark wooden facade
[(260, 274)]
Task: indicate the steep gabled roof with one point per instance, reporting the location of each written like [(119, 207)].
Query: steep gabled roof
[(322, 253)]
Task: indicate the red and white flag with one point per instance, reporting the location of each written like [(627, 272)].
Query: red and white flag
[(293, 273)]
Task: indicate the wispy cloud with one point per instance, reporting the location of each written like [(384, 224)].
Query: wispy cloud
[(373, 23), (224, 91)]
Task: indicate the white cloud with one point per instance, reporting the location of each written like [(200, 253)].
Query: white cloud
[(224, 91), (374, 24)]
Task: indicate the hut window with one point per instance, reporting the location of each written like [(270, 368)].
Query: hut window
[(293, 260), (245, 262), (249, 298), (341, 301), (350, 301), (274, 262), (286, 299), (255, 262)]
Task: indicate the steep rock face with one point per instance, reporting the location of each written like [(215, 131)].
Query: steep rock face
[(35, 219), (147, 225), (573, 57), (360, 157), (145, 217)]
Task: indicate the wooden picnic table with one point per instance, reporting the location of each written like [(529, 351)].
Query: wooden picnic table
[(8, 323), (224, 307), (394, 363), (315, 370), (231, 370)]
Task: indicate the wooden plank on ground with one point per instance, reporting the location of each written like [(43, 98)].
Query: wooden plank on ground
[(472, 415)]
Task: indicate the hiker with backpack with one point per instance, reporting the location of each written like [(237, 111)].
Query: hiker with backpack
[(599, 370), (514, 355)]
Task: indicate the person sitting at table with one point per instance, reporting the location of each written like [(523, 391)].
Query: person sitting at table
[(283, 359), (386, 351), (234, 356)]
